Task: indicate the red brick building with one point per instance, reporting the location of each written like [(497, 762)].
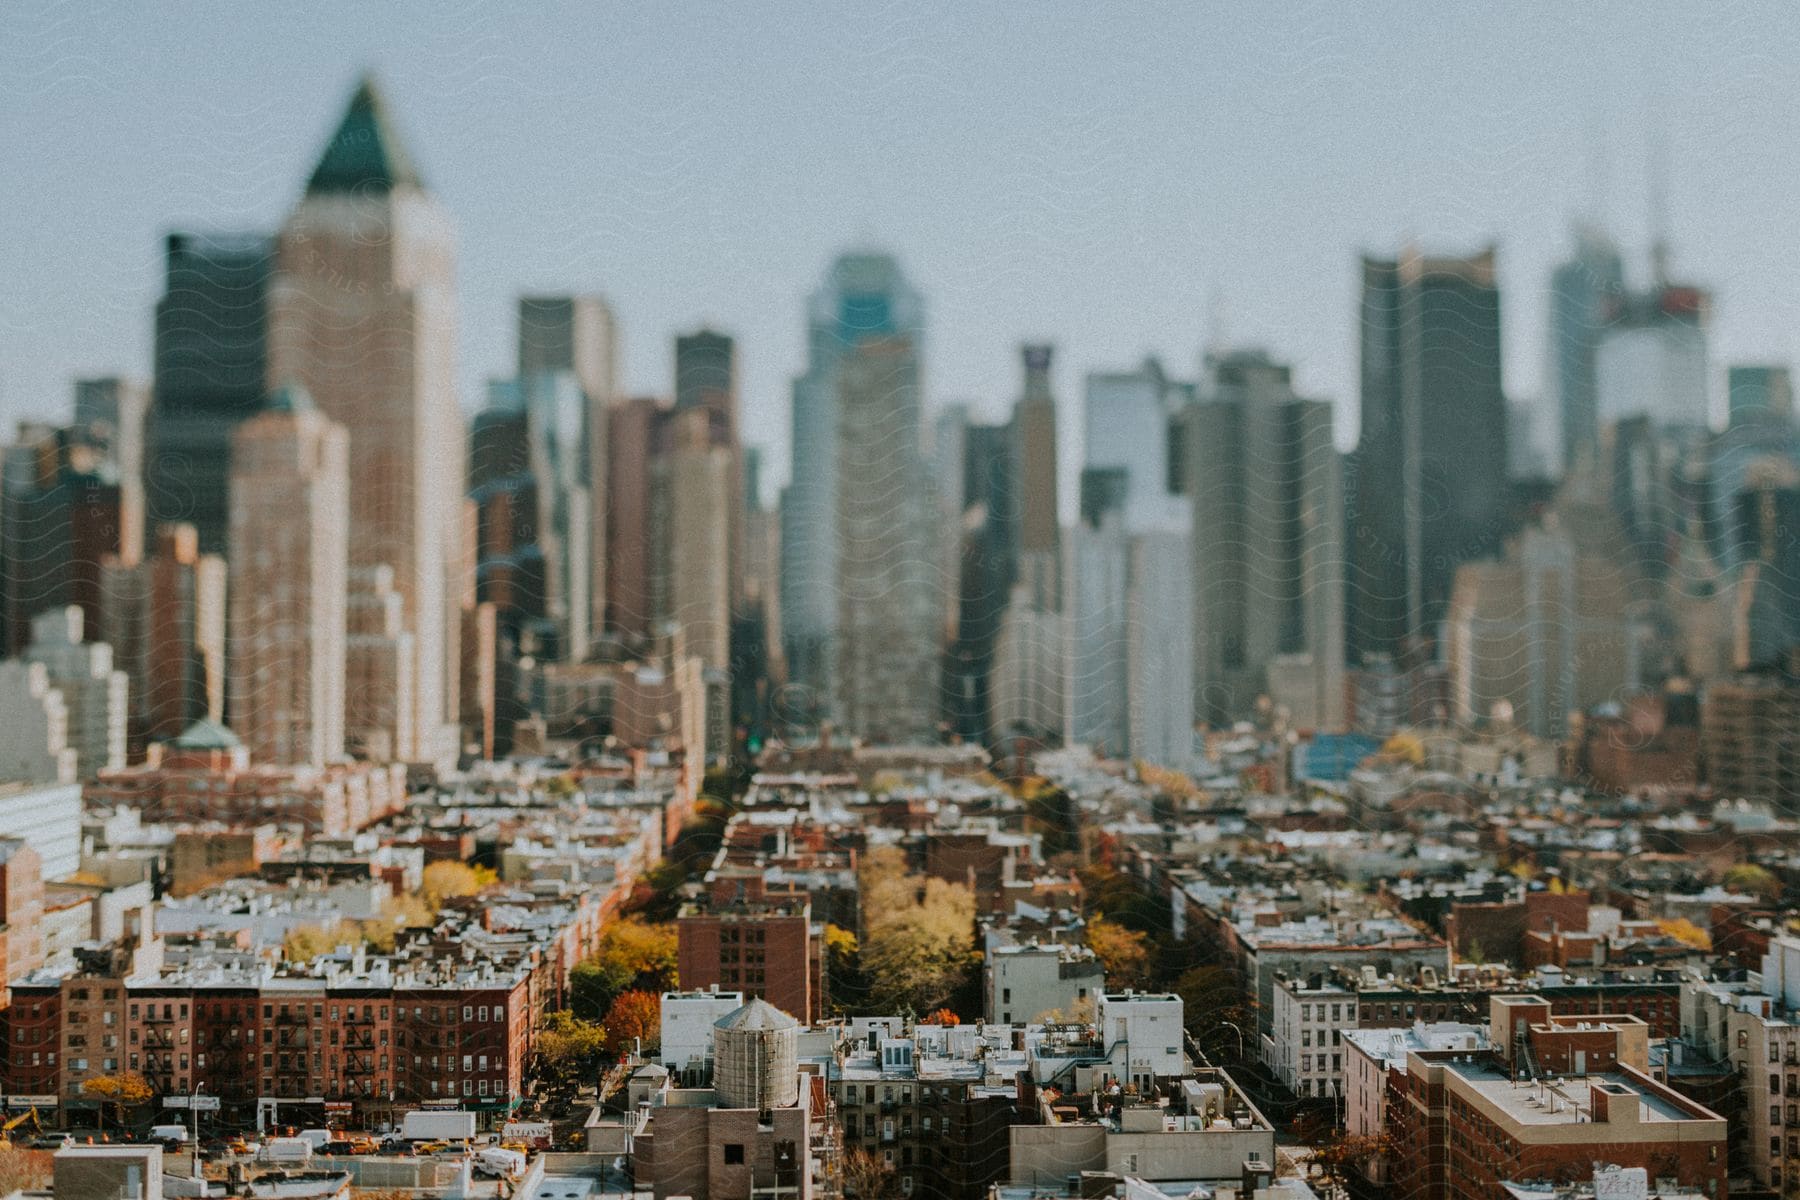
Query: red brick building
[(769, 950)]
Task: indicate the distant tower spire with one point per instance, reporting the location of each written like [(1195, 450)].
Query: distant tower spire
[(1659, 205)]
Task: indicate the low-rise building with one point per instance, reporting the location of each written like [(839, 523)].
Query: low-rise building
[(1042, 982)]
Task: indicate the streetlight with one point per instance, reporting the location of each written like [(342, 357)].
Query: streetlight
[(194, 1125)]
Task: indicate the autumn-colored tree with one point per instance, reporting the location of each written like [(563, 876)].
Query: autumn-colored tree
[(1752, 880), (919, 935), (1686, 932), (942, 1016), (634, 1022), (868, 1176), (24, 1170), (119, 1091), (633, 953), (1125, 953), (303, 943), (445, 881), (569, 1050), (1345, 1153)]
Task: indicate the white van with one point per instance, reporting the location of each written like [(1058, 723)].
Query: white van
[(316, 1138), (169, 1133)]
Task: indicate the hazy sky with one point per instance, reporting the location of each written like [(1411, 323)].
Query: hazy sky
[(1120, 178)]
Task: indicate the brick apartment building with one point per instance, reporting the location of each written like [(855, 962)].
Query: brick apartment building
[(767, 950)]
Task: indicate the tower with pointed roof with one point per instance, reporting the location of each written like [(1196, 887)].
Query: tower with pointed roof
[(362, 314)]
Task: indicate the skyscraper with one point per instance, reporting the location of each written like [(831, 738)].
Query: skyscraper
[(165, 619), (289, 548), (578, 334), (1035, 476), (1128, 582), (692, 503), (1026, 685), (1263, 477), (363, 316), (889, 583), (93, 692), (864, 297), (1651, 360), (211, 372), (1427, 487), (61, 520), (119, 406), (1583, 293)]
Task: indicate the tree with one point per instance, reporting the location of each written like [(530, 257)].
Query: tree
[(445, 881), (633, 953), (868, 1176), (120, 1091), (1752, 880), (1125, 953), (918, 942), (570, 1051), (1345, 1153), (1686, 932), (942, 1016), (634, 1022), (303, 943)]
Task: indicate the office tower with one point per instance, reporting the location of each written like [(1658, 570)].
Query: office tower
[(289, 554), (1760, 393), (758, 669), (1549, 628), (889, 584), (578, 335), (362, 314), (94, 694), (1027, 676), (1035, 478), (1584, 292), (119, 407), (1427, 487), (984, 536), (864, 297), (1128, 581), (211, 371), (1267, 494), (165, 620), (638, 430), (691, 505), (528, 451), (1651, 360), (1766, 541), (60, 521), (378, 667), (706, 378)]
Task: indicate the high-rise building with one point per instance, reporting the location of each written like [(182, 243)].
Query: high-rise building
[(577, 335), (1766, 541), (1427, 488), (378, 666), (289, 550), (211, 372), (864, 297), (757, 667), (638, 431), (1128, 586), (1759, 393), (165, 620), (1583, 292), (1651, 360), (94, 694), (61, 511), (985, 538), (119, 407), (1267, 495), (35, 745), (1029, 647), (889, 584), (362, 314), (691, 507), (706, 378)]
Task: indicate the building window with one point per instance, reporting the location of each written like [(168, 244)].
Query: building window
[(734, 1154)]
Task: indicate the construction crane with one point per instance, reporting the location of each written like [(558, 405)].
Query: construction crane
[(31, 1115)]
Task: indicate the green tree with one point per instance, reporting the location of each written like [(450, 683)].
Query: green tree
[(570, 1051), (918, 943)]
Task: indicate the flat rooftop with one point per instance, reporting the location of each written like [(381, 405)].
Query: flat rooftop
[(1530, 1103)]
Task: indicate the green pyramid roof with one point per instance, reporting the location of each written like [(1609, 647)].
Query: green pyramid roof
[(207, 735), (365, 154)]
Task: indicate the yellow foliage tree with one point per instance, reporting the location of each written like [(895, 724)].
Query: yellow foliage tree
[(1125, 953), (444, 881), (1686, 932)]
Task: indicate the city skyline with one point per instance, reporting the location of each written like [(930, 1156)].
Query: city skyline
[(1111, 235)]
